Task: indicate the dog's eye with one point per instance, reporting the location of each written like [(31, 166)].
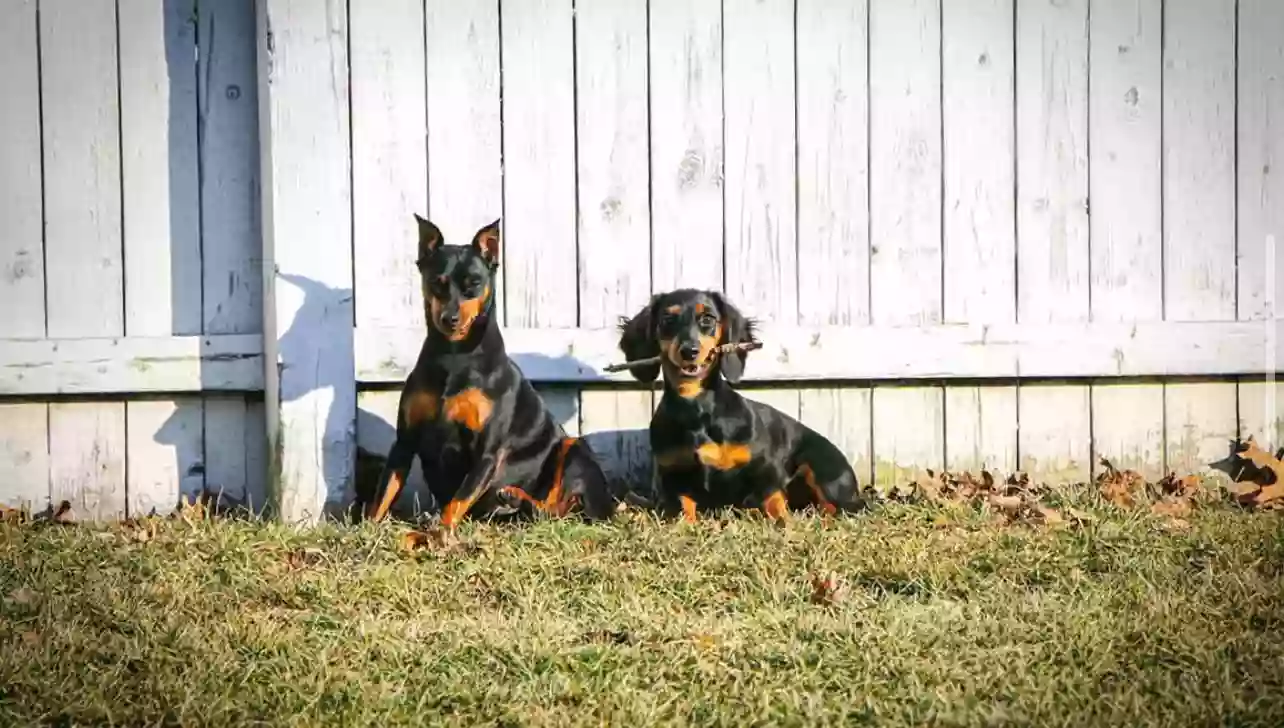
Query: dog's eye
[(472, 283)]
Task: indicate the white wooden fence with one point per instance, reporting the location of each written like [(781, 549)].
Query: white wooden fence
[(982, 233)]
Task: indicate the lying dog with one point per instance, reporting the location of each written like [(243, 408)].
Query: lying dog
[(712, 447), (483, 435)]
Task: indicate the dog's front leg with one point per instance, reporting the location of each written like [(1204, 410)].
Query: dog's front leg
[(391, 480), (480, 479)]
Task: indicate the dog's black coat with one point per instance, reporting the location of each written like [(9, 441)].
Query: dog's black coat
[(712, 447), (484, 437)]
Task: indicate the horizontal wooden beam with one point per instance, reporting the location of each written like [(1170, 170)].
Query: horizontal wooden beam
[(793, 353), (132, 364)]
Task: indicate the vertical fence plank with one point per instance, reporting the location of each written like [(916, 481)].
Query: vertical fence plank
[(909, 434), (1052, 222), (389, 159), (614, 220), (1128, 427), (832, 45), (1199, 160), (236, 446), (539, 171), (376, 432), (686, 144), (1260, 414), (760, 181), (164, 447), (22, 288), (833, 162), (230, 234), (905, 161), (842, 414), (979, 223), (87, 458), (761, 265), (161, 198), (24, 456), (230, 220), (1055, 437), (161, 195), (981, 429), (462, 68), (539, 163), (82, 167), (1199, 214), (617, 427), (1052, 174), (1260, 134), (24, 428), (905, 217), (81, 136), (311, 397), (1124, 180), (1125, 225), (1199, 423)]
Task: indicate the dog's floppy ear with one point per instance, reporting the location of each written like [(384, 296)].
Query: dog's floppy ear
[(637, 341), (736, 329), (486, 243), (429, 238)]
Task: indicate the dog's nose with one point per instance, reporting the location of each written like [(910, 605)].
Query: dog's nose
[(689, 352), (450, 319)]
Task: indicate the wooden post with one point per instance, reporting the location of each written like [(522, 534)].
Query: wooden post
[(307, 256)]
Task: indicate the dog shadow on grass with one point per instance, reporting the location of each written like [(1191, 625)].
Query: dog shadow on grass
[(624, 454)]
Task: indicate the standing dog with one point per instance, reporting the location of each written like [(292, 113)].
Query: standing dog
[(712, 447), (484, 438)]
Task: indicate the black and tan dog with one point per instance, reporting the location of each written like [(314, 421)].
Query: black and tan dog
[(712, 447), (485, 439)]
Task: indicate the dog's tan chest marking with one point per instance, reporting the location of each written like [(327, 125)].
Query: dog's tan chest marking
[(470, 408)]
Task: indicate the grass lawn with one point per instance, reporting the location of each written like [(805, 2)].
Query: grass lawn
[(934, 614)]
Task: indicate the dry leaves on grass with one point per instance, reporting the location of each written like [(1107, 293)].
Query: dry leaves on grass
[(437, 540), (826, 589), (1013, 500), (304, 557)]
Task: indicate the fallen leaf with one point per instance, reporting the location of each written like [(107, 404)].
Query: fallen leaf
[(704, 641), (1049, 516), (31, 638), (1175, 524), (1079, 515), (1007, 503), (1171, 506), (826, 590), (432, 538), (22, 595), (302, 557), (13, 515)]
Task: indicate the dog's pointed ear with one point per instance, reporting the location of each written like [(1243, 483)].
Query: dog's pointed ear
[(736, 329), (430, 238), (486, 243), (638, 341)]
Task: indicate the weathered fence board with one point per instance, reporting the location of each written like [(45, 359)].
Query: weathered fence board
[(833, 162), (22, 295), (24, 428), (165, 451), (686, 144), (1052, 221), (979, 214), (1260, 144), (465, 185), (311, 405), (614, 230), (1198, 214), (389, 158)]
